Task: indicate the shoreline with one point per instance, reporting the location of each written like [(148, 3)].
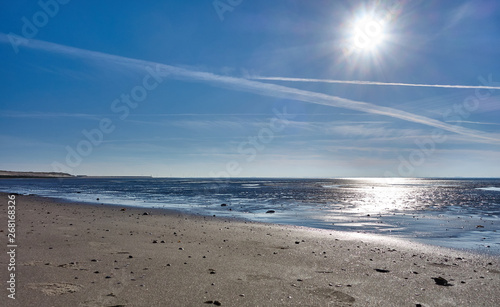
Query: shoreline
[(84, 254), (438, 241)]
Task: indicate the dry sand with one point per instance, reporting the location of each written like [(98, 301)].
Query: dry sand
[(71, 254)]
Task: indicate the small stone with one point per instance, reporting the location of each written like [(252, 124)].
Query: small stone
[(297, 242), (155, 241), (270, 211), (96, 272), (107, 277), (441, 281), (130, 257), (94, 260), (382, 270), (242, 295), (145, 213), (223, 205), (217, 303), (181, 249)]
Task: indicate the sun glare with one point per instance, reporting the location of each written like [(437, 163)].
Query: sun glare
[(367, 33)]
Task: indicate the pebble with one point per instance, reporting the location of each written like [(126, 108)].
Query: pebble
[(441, 281), (216, 303)]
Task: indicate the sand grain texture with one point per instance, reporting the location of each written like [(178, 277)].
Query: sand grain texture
[(90, 255)]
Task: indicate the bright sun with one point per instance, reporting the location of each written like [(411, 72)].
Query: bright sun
[(367, 33)]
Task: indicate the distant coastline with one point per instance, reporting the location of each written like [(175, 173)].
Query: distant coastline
[(14, 174)]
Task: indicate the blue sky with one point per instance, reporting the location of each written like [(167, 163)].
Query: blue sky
[(251, 88)]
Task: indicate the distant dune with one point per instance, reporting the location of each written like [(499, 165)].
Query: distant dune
[(11, 174)]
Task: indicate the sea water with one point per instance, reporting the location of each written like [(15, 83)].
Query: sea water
[(457, 213)]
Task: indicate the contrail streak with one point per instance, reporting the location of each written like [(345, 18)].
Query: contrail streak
[(255, 87), (374, 83)]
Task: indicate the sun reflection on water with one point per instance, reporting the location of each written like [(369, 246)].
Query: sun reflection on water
[(372, 197)]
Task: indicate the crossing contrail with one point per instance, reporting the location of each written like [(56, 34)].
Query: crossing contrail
[(487, 87), (255, 87)]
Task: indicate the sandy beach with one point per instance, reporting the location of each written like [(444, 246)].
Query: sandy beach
[(71, 254)]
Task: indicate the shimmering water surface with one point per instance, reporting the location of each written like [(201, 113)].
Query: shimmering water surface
[(458, 213)]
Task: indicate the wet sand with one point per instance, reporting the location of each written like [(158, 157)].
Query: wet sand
[(71, 254)]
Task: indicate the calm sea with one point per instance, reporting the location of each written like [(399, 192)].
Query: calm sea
[(457, 213)]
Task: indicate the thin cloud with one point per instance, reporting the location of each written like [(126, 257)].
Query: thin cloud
[(256, 87), (50, 115), (471, 122), (374, 83)]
